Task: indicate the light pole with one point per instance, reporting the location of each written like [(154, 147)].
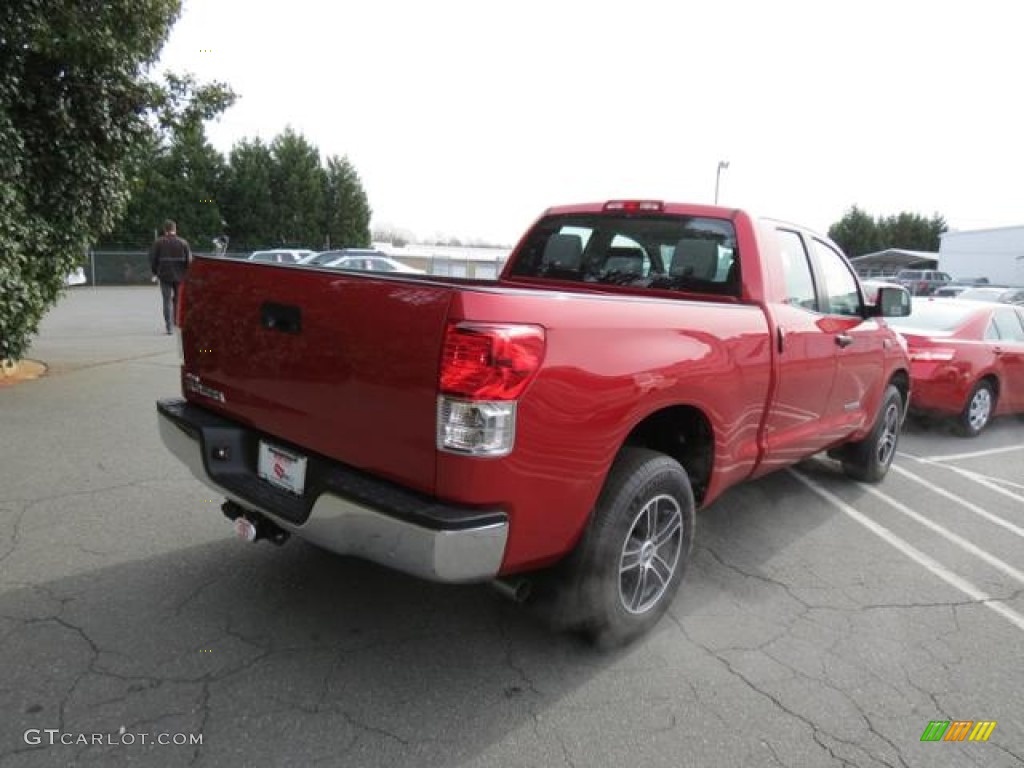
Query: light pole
[(718, 175)]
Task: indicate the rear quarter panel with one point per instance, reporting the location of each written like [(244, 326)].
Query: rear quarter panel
[(610, 362)]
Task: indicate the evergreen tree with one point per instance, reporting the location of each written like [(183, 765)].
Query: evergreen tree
[(347, 208)]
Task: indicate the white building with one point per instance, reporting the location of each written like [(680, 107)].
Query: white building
[(454, 261), (997, 254)]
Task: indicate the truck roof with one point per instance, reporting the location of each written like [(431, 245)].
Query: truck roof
[(646, 205)]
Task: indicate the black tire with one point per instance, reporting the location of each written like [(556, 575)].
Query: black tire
[(978, 410), (646, 498), (868, 460)]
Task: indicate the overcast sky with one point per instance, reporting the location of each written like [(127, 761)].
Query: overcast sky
[(468, 118)]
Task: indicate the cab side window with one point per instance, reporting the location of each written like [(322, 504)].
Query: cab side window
[(797, 270), (841, 291)]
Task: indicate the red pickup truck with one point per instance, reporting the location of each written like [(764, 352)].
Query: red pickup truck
[(633, 361)]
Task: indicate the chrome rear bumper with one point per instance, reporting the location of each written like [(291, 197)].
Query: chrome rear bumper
[(458, 546)]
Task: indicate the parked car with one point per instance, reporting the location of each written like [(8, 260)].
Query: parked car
[(922, 282), (950, 291), (966, 360), (997, 293), (322, 258), (372, 262), (76, 277), (282, 255)]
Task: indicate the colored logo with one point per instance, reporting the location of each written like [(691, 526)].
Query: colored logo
[(958, 730)]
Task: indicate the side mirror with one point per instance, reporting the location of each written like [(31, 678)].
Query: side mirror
[(892, 301)]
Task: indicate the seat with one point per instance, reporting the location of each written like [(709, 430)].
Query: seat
[(695, 258), (628, 261), (563, 253)]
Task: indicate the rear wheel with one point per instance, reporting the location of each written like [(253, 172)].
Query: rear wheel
[(977, 413), (629, 564), (869, 459)]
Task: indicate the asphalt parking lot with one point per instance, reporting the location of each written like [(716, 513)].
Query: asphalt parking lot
[(822, 622)]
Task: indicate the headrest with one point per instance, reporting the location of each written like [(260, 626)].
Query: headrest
[(563, 251), (624, 259), (695, 258)]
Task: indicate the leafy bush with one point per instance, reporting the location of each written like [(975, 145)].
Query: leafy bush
[(73, 106)]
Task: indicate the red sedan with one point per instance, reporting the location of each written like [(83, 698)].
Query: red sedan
[(966, 360)]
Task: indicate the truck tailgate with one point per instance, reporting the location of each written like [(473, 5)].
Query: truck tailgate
[(338, 364)]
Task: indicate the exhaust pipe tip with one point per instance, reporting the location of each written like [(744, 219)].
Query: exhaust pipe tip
[(518, 590), (251, 526), (245, 530)]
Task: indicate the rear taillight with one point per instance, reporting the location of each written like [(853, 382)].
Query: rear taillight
[(484, 368), (933, 355), (490, 362)]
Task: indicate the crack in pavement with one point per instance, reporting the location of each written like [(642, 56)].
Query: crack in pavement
[(757, 577), (31, 502), (1018, 757), (14, 539), (15, 534), (204, 708), (203, 585), (817, 732), (952, 606), (531, 687), (775, 755), (95, 668)]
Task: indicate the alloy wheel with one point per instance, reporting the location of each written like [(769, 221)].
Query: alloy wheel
[(650, 554)]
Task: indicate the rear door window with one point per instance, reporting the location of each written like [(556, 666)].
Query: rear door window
[(800, 291), (841, 293)]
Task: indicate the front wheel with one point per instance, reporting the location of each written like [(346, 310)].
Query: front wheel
[(631, 560), (869, 459), (977, 413)]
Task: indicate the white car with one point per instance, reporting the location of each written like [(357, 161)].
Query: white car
[(76, 278), (282, 255), (366, 260)]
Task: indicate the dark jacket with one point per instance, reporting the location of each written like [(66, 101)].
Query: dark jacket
[(169, 258)]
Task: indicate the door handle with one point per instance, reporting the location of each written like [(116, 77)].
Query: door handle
[(281, 317), (844, 340)]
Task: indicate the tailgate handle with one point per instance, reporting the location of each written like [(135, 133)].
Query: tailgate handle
[(281, 317)]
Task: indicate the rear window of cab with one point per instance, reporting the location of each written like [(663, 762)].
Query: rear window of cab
[(682, 253)]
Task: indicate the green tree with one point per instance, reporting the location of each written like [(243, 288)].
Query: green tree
[(856, 233), (246, 199), (178, 174), (347, 209), (911, 231), (298, 187), (73, 105)]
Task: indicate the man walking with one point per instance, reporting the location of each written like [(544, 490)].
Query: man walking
[(168, 259)]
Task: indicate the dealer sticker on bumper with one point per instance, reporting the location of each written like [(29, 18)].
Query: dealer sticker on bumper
[(282, 468)]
